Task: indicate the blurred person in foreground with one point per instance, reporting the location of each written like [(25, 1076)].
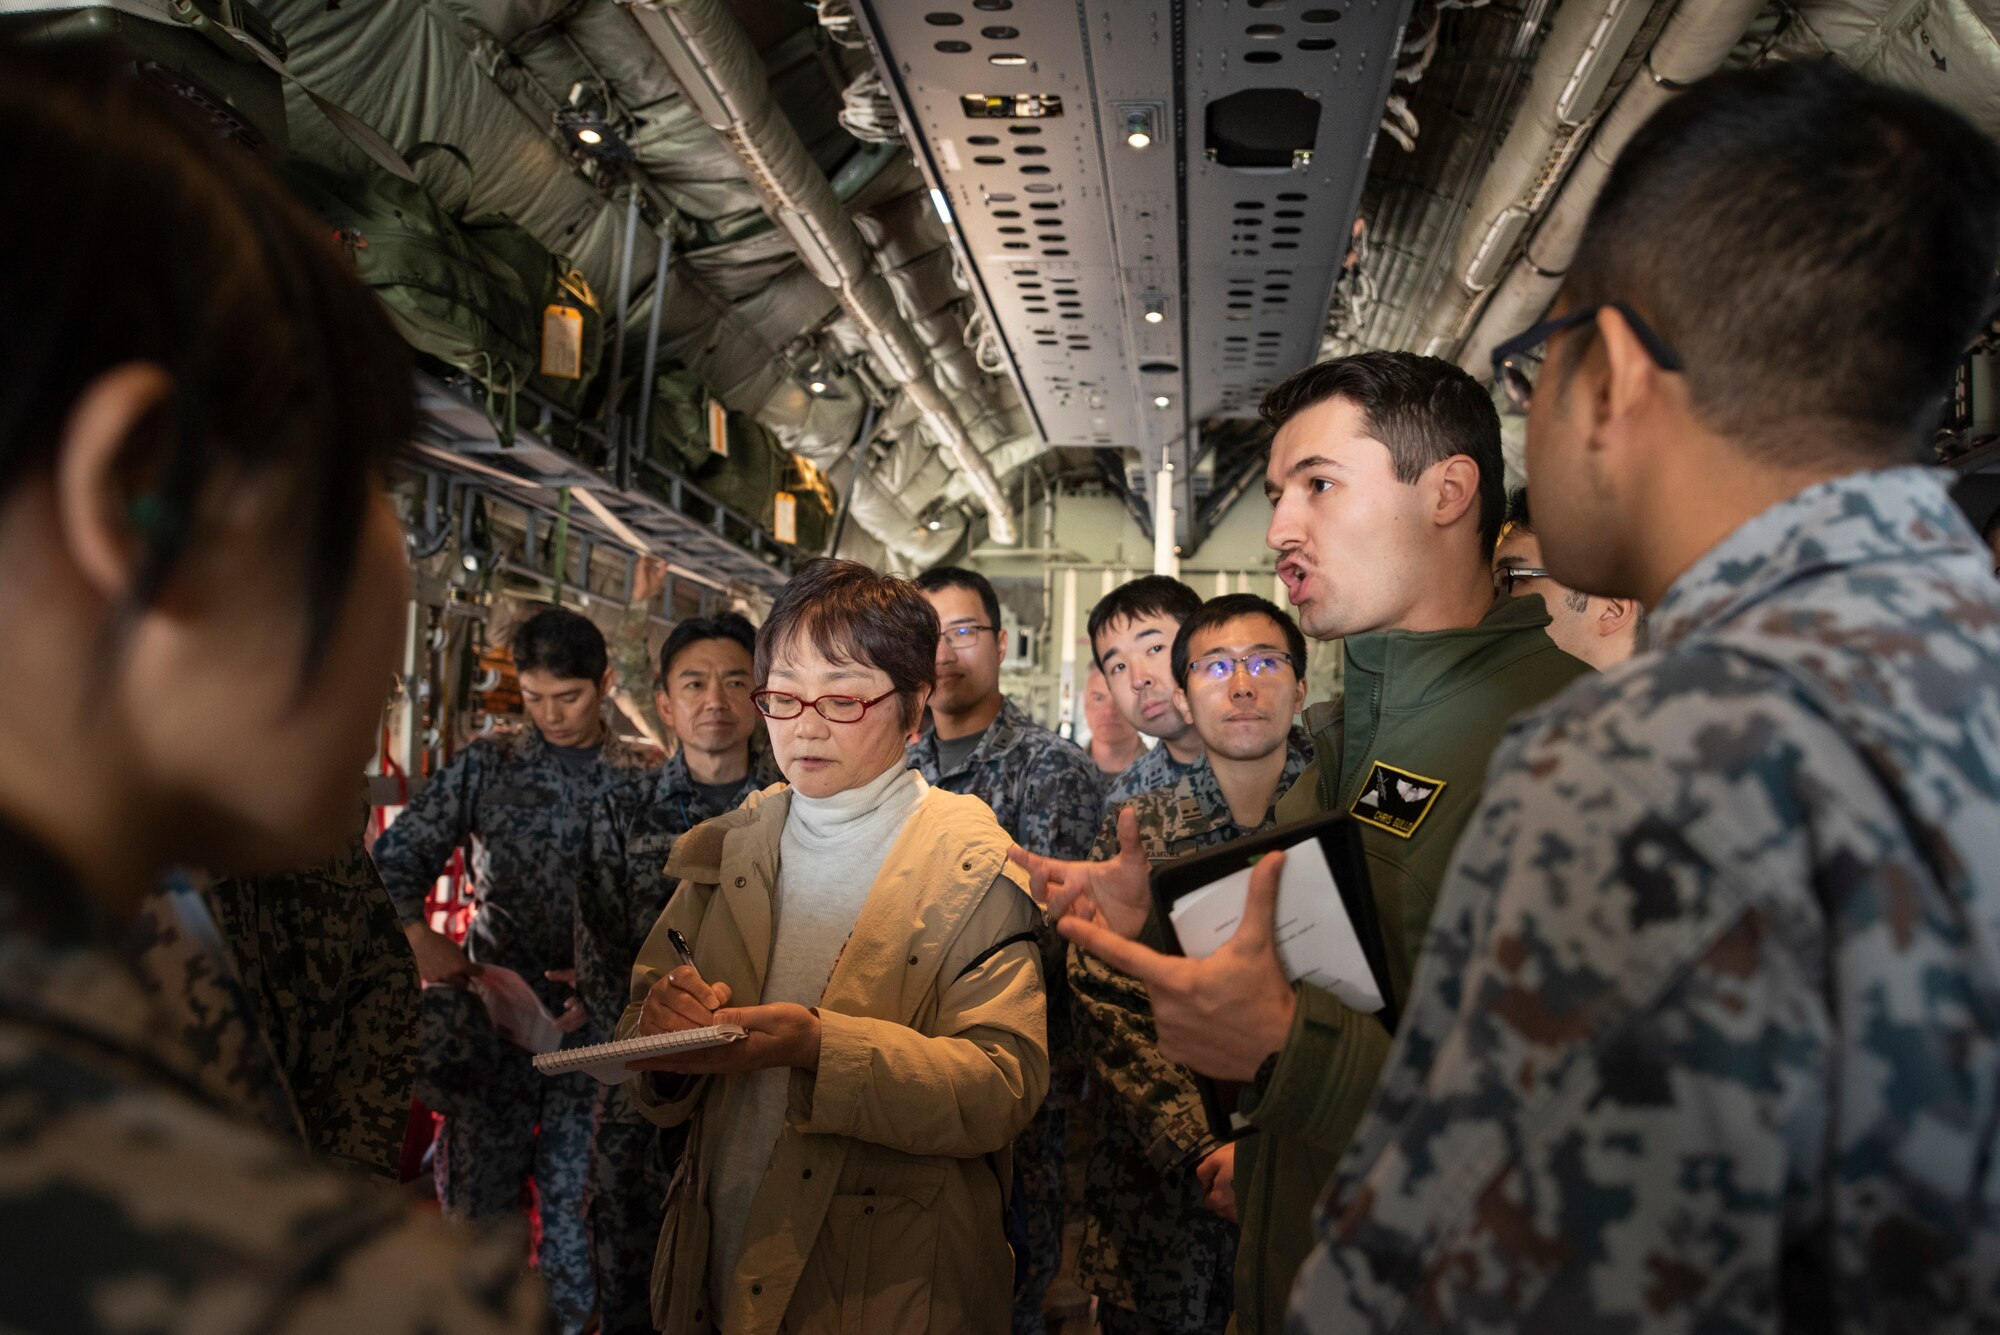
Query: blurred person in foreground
[(1707, 1035), (202, 587), (847, 1162), (1114, 743)]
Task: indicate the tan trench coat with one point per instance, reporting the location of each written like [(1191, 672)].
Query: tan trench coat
[(882, 1208)]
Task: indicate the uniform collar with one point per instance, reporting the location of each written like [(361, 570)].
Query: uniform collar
[(1000, 737), (1895, 514), (1198, 805), (1413, 664)]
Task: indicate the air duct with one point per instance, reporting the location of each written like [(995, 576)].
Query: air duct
[(1694, 43), (712, 58), (1533, 154)]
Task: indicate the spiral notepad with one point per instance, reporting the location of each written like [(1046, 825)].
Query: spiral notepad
[(606, 1061)]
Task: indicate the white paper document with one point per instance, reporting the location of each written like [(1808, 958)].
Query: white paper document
[(1317, 942), (517, 1013)]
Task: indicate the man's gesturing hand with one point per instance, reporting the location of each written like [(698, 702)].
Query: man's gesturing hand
[(1222, 1015), (1114, 892)]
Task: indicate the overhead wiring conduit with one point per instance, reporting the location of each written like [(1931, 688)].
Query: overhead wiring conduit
[(712, 58), (1694, 43)]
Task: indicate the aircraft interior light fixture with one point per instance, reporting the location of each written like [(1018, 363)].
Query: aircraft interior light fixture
[(470, 562), (1139, 128), (1156, 310), (817, 386), (934, 524), (1162, 401)]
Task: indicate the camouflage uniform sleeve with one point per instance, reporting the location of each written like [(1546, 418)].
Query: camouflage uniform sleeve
[(411, 853), (1611, 1042), (1156, 1098), (1062, 796)]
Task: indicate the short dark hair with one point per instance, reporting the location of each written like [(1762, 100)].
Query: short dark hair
[(1424, 409), (149, 238), (1817, 248), (852, 614), (958, 577), (1147, 596), (1517, 511), (561, 643), (1228, 607), (731, 626)]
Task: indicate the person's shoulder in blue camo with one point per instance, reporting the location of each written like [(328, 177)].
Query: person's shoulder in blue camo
[(1044, 790), (703, 696), (194, 521), (1706, 1033), (1131, 632)]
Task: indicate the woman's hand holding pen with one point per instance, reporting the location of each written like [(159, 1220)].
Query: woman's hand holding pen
[(781, 1034)]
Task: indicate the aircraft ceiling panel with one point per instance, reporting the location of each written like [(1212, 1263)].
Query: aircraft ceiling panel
[(1154, 198), (1283, 103)]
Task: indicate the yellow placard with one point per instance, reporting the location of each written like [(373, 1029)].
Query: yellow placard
[(785, 521), (562, 342), (718, 428)]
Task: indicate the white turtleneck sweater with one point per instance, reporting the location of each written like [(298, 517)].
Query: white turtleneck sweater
[(830, 852)]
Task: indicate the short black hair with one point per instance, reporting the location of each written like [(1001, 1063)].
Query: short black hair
[(728, 626), (563, 644), (1147, 596), (1424, 409), (1517, 511), (958, 577), (1817, 248), (137, 234), (1228, 607), (853, 614)]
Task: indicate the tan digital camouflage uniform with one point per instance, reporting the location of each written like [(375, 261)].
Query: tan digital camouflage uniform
[(1149, 1246), (1706, 1035), (134, 1203)]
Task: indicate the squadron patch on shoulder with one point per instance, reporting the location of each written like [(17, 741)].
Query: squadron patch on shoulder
[(1396, 800)]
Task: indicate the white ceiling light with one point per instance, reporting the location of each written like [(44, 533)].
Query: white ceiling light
[(1139, 128)]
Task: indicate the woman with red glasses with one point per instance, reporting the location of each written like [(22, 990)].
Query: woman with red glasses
[(846, 1162)]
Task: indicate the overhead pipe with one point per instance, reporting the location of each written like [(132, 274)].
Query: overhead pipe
[(1585, 42), (1694, 43), (711, 57)]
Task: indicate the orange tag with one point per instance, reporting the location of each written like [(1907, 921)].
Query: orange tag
[(562, 342), (718, 428), (785, 523)]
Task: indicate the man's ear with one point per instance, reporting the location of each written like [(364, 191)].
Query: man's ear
[(1000, 639), (916, 727), (111, 443), (607, 682), (1454, 489), (1301, 690), (1181, 707), (1633, 381), (1618, 613)]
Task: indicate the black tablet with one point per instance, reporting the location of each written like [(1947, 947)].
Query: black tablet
[(1339, 839)]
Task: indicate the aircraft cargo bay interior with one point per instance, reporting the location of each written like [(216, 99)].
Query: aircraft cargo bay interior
[(1142, 666)]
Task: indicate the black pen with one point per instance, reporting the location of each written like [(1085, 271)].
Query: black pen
[(680, 945)]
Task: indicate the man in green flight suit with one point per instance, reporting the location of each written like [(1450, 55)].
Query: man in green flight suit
[(1387, 499)]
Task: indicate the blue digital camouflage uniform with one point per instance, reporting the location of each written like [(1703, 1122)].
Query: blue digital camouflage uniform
[(1154, 769), (1149, 1246), (297, 995), (1046, 794), (525, 813), (134, 1203), (1707, 1033), (623, 892)]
